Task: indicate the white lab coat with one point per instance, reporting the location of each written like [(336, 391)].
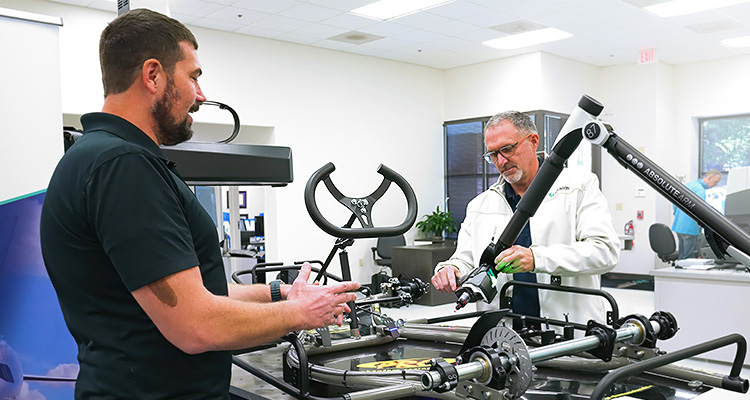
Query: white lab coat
[(571, 234)]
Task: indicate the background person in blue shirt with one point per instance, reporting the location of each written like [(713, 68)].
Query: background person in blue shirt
[(687, 230)]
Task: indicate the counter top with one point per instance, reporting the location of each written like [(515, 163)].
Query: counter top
[(725, 275)]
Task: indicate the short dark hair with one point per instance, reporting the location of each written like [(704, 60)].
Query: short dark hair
[(521, 121), (134, 37)]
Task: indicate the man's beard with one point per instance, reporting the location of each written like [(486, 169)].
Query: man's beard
[(169, 131), (515, 177)]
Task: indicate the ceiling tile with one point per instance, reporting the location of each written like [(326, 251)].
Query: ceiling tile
[(237, 15), (222, 2), (266, 6), (454, 44), (333, 45), (368, 51), (309, 12), (420, 20), (696, 18), (419, 36), (195, 8), (218, 25), (480, 35), (458, 9), (258, 31), (295, 38), (279, 23), (341, 5), (386, 29), (348, 21), (319, 32), (530, 8), (739, 12), (488, 19), (723, 25), (558, 18), (495, 4), (185, 19), (387, 44), (451, 28)]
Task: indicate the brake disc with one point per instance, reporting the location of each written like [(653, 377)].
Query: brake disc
[(506, 341)]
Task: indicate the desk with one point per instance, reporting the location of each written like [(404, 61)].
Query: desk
[(706, 304), (419, 262)]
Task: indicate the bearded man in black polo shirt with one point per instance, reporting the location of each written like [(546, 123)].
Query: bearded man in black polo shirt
[(133, 256)]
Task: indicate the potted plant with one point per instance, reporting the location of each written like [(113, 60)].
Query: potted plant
[(436, 224)]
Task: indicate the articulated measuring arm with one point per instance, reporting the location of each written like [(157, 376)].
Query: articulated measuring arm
[(725, 237)]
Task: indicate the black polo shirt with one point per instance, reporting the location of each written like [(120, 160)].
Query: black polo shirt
[(116, 218)]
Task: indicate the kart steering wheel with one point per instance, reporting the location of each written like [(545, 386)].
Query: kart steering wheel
[(361, 207)]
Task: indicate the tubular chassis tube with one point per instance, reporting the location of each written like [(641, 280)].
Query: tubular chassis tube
[(674, 371), (447, 318), (732, 382), (611, 320), (630, 331), (262, 268), (235, 118)]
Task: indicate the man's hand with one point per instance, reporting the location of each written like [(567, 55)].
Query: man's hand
[(515, 259), (321, 305), (445, 279)]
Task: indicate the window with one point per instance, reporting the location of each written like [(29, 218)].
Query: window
[(466, 174), (724, 144)]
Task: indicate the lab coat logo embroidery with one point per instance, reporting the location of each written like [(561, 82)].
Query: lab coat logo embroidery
[(550, 194)]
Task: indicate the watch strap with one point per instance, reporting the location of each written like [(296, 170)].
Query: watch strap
[(275, 290)]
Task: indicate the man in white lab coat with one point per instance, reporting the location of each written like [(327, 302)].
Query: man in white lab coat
[(570, 236)]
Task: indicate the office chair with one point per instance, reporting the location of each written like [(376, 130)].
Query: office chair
[(383, 249), (662, 242)]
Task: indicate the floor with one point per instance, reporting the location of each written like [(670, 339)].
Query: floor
[(630, 301)]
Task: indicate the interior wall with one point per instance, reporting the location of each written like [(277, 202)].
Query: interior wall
[(564, 81), (706, 89), (355, 111), (32, 141), (490, 87), (637, 102)]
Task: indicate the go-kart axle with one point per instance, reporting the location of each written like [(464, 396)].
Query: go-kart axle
[(480, 368)]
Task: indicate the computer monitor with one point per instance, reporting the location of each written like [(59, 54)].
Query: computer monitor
[(259, 225), (737, 202), (208, 197), (35, 345)]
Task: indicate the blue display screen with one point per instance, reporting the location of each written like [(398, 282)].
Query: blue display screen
[(206, 196), (34, 341)]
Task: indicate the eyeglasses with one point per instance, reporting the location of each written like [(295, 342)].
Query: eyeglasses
[(505, 151)]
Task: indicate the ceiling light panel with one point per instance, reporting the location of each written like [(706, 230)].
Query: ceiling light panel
[(738, 42), (527, 39), (384, 10)]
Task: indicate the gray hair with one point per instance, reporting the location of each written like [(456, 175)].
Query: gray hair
[(520, 121), (712, 172)]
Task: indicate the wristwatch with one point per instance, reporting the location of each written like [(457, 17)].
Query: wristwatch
[(275, 290)]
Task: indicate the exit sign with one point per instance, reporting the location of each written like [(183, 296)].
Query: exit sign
[(647, 57)]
